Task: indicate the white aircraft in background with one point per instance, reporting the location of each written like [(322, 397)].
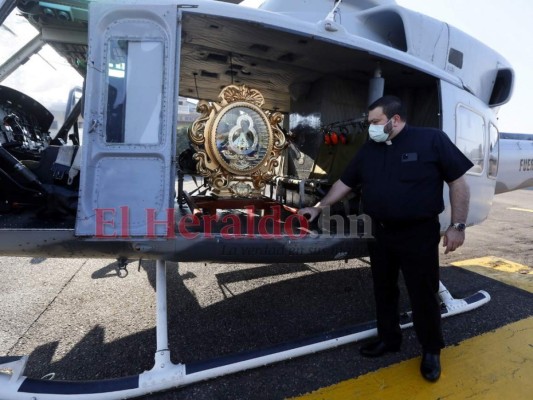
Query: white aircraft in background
[(282, 91)]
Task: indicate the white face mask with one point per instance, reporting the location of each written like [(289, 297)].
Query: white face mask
[(377, 132)]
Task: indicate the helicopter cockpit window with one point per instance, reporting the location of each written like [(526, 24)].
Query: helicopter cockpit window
[(134, 91)]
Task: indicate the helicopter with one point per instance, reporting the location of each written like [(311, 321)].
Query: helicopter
[(282, 93)]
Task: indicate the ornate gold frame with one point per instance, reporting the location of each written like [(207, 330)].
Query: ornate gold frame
[(237, 143)]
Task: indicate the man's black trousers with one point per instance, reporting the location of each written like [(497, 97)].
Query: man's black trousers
[(410, 247)]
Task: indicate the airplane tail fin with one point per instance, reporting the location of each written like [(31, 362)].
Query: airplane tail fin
[(515, 170)]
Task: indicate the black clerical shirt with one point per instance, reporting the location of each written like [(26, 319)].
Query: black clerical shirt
[(403, 181)]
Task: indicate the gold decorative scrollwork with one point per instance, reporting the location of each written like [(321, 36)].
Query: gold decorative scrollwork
[(196, 132), (237, 143), (232, 93), (279, 137)]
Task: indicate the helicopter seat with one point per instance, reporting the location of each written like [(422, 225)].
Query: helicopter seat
[(59, 165)]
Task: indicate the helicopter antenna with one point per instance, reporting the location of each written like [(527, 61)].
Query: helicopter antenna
[(331, 15), (330, 18)]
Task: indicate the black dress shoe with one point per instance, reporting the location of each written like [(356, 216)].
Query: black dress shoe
[(430, 367), (377, 349)]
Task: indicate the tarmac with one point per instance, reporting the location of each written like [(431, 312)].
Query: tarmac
[(77, 320)]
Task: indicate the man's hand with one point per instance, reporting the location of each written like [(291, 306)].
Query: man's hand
[(310, 212), (452, 239), (336, 193)]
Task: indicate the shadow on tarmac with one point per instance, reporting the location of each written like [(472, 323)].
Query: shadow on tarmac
[(269, 315)]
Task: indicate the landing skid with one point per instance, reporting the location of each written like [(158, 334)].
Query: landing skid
[(165, 375)]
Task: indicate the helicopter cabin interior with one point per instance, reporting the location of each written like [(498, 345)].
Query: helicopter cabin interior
[(320, 89)]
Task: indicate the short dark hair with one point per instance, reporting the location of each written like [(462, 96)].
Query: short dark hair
[(391, 105)]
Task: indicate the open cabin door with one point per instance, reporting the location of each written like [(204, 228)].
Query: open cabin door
[(128, 171)]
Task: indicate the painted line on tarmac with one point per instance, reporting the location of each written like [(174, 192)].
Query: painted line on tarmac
[(520, 209), (494, 365), (502, 270)]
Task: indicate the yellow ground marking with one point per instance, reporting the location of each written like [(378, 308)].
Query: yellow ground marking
[(493, 366), (505, 271), (520, 209)]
